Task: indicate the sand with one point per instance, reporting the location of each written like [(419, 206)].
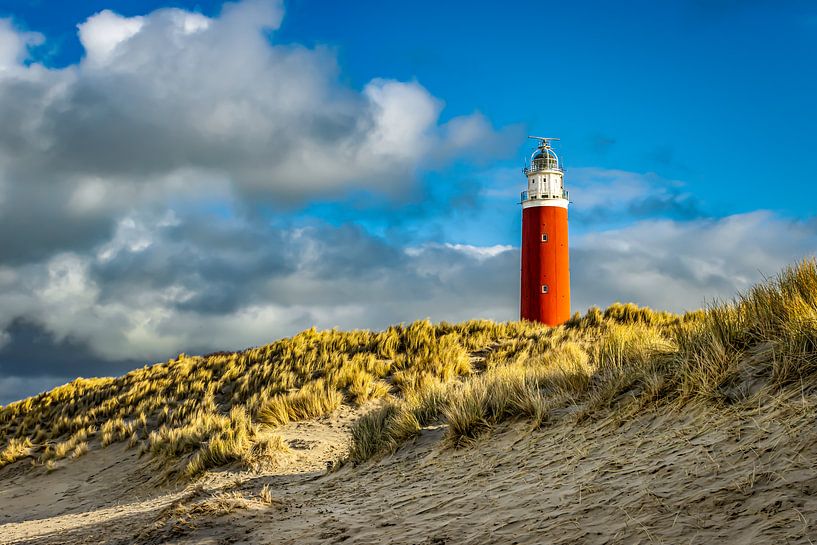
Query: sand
[(673, 476)]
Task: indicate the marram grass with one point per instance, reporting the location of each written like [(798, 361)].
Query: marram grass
[(758, 348), (194, 413)]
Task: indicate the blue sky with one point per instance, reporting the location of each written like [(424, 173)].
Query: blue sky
[(187, 176)]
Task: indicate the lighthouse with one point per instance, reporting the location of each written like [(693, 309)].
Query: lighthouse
[(545, 293)]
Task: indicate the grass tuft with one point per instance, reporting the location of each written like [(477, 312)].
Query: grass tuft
[(314, 399)]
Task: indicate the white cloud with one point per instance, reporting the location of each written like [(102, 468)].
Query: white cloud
[(681, 265), (403, 114), (103, 32), (609, 195), (174, 91), (128, 237), (14, 45), (68, 286), (612, 188), (477, 252)]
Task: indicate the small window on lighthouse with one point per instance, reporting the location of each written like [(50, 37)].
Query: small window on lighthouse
[(544, 288), (544, 237)]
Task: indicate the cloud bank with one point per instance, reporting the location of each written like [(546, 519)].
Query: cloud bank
[(164, 285), (176, 105)]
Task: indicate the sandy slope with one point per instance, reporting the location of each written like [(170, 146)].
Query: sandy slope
[(691, 477)]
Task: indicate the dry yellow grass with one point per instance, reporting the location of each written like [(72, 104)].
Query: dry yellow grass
[(312, 400), (627, 359), (194, 413), (15, 449)]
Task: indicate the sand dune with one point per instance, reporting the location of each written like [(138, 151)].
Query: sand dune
[(622, 426), (697, 476)]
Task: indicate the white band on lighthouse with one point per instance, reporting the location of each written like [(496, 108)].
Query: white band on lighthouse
[(532, 203)]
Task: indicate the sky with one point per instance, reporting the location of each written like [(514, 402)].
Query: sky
[(197, 176)]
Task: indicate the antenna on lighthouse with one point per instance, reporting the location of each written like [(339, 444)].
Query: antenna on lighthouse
[(544, 142)]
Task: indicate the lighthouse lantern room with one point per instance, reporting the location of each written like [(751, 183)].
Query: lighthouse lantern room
[(545, 290)]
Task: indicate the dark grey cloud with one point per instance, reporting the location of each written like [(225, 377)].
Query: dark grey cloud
[(33, 360), (35, 223), (33, 351), (220, 264)]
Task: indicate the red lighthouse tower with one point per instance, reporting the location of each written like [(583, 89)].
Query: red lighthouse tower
[(545, 295)]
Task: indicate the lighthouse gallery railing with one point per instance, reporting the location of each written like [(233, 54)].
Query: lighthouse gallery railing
[(531, 195), (536, 167)]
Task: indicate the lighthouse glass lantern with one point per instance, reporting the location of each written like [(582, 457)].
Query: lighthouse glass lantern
[(545, 289)]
